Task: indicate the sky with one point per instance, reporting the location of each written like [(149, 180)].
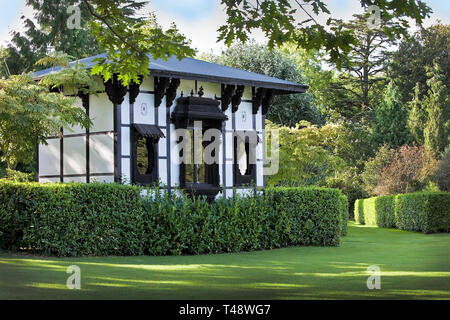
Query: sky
[(200, 19)]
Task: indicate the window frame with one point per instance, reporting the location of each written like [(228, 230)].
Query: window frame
[(136, 176), (244, 180)]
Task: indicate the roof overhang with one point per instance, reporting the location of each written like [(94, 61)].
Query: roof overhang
[(203, 71)]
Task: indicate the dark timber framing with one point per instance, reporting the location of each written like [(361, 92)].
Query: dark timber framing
[(165, 86)]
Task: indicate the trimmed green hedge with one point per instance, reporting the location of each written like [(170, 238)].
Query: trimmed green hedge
[(359, 211), (71, 219), (385, 211), (111, 219), (428, 212)]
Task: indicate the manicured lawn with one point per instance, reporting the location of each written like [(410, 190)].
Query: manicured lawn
[(413, 266)]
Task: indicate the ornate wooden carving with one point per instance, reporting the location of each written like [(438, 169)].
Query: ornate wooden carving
[(258, 99), (84, 99), (134, 89), (227, 95), (236, 100), (161, 85), (171, 91), (115, 90), (267, 101), (200, 92)]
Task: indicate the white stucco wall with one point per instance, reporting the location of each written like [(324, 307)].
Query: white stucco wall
[(143, 110)]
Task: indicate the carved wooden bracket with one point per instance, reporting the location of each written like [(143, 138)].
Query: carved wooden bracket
[(227, 95), (171, 91), (258, 99), (236, 100), (115, 90), (134, 89), (84, 99), (161, 84), (267, 101)]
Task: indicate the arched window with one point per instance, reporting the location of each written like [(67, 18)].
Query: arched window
[(145, 140)]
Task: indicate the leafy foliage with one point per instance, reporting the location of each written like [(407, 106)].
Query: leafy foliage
[(48, 31), (111, 219), (363, 67), (128, 45), (391, 120), (421, 211), (442, 174), (278, 20), (71, 219), (379, 211), (374, 166), (417, 117), (410, 170), (285, 109), (437, 104), (409, 63), (304, 159), (29, 113)]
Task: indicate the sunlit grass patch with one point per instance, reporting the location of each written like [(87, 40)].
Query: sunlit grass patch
[(412, 266)]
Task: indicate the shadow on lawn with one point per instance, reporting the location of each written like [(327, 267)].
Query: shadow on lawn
[(289, 273)]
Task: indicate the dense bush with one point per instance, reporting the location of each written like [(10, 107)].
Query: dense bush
[(422, 211), (442, 175), (410, 170), (279, 218), (359, 211), (385, 211), (71, 219), (110, 219), (376, 211)]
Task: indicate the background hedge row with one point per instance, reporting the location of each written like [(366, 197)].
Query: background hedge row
[(112, 219), (428, 212)]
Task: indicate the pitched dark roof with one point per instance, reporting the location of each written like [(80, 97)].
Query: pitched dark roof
[(149, 130), (194, 69)]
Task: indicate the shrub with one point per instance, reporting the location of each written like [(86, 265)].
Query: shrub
[(422, 211), (442, 175), (71, 219), (16, 176), (373, 167), (410, 171), (428, 212), (370, 217), (110, 219), (385, 211), (359, 211)]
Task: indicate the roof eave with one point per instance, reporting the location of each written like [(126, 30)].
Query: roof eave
[(279, 88)]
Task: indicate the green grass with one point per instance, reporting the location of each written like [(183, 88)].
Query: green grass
[(413, 266)]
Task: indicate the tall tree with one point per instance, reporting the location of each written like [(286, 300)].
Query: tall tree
[(287, 109), (357, 90), (391, 117), (437, 104), (409, 63), (417, 116), (48, 30)]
